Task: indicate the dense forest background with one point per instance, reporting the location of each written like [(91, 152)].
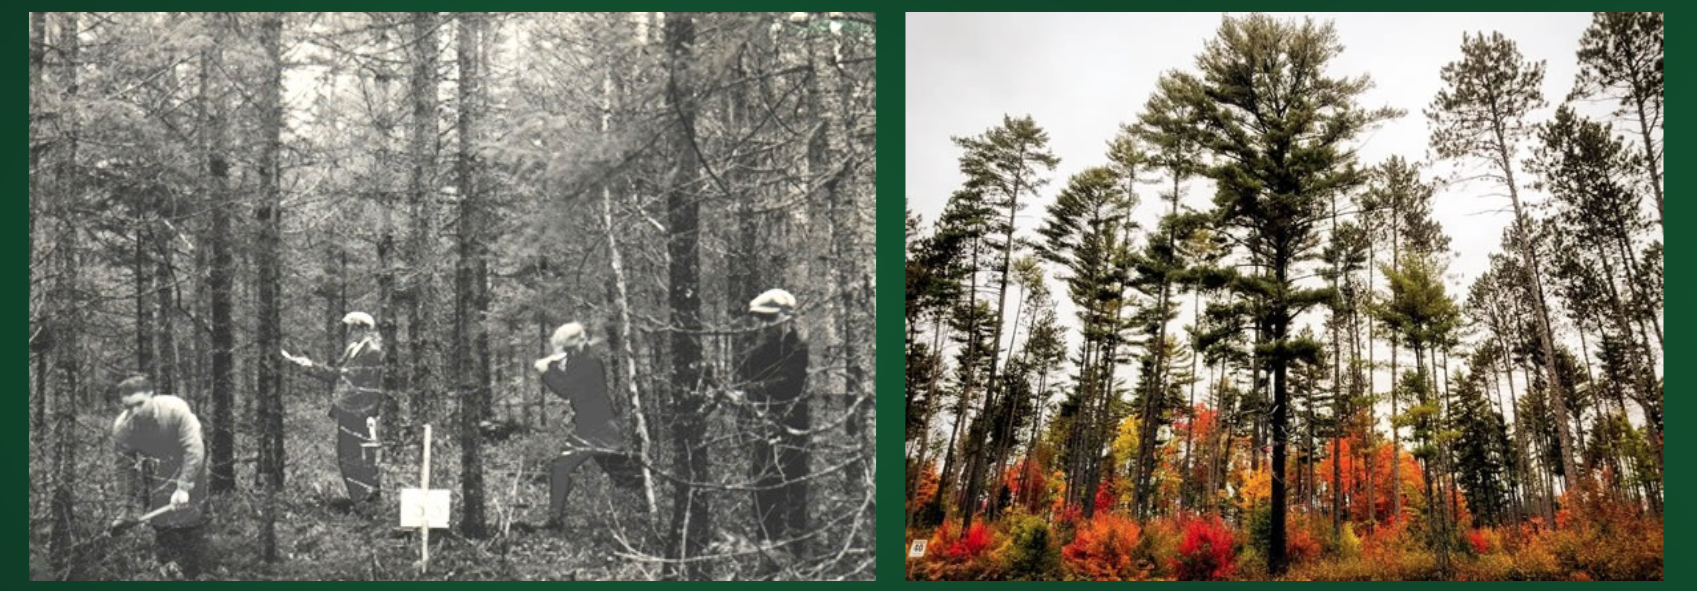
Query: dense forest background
[(209, 188), (1211, 410)]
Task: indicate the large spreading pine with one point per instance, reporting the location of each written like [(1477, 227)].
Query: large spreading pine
[(1278, 126)]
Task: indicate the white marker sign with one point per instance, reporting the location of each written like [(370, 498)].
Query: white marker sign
[(424, 508), (918, 549)]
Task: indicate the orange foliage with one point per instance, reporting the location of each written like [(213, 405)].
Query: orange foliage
[(1300, 545), (1026, 480), (926, 489), (1102, 549)]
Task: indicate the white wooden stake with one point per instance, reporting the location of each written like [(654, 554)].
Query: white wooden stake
[(424, 528)]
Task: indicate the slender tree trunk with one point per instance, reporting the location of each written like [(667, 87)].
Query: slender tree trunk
[(387, 257), (221, 451), (625, 361), (272, 457), (1652, 162), (421, 188), (64, 307), (469, 333), (1546, 339)]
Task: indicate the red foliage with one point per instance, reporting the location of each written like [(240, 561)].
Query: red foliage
[(1205, 553), (1027, 481), (1102, 549), (970, 546), (1476, 539), (1104, 497)]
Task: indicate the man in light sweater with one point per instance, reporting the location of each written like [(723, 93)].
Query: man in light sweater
[(158, 444)]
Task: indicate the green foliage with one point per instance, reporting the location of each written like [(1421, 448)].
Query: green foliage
[(1031, 552)]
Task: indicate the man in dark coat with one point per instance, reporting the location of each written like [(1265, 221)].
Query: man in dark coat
[(157, 442), (773, 372), (574, 373), (357, 399)]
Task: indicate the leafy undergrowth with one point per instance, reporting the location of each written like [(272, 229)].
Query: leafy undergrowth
[(607, 534), (1607, 543)]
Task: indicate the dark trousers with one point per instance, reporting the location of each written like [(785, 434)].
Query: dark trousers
[(185, 546), (358, 464), (619, 467), (780, 504)]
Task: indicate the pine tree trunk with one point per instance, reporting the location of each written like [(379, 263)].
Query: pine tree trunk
[(272, 457), (470, 340), (422, 151), (691, 513), (67, 329), (1546, 339), (221, 448)]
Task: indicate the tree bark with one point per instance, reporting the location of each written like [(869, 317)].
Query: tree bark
[(470, 337), (221, 451), (691, 512)]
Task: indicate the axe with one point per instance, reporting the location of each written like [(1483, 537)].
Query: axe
[(127, 524)]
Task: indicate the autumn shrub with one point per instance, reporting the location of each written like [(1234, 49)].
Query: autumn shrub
[(1102, 549), (1532, 560), (972, 545), (1622, 555), (1343, 569), (1484, 541), (1250, 564), (1030, 552), (1301, 545), (1206, 551), (955, 557), (1485, 567), (1159, 546), (1348, 545)]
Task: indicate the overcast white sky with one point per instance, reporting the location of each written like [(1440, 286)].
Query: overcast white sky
[(1082, 75)]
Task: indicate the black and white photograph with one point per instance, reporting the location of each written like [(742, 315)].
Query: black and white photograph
[(451, 296)]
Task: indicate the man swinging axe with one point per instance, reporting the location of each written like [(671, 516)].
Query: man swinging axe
[(157, 443), (574, 373), (357, 400)]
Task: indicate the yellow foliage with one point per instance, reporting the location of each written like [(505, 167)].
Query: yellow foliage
[(1257, 489)]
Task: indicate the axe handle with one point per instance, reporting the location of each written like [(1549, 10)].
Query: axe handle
[(155, 513)]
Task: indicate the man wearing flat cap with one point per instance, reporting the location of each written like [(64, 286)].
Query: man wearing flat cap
[(773, 372), (357, 399)]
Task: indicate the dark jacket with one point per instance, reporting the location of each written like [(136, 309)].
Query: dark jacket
[(582, 381), (162, 438), (358, 381), (774, 373)]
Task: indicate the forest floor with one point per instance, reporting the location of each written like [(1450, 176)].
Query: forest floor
[(318, 541), (1606, 543)]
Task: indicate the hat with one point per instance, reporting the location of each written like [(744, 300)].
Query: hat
[(568, 336), (359, 318), (773, 301)]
